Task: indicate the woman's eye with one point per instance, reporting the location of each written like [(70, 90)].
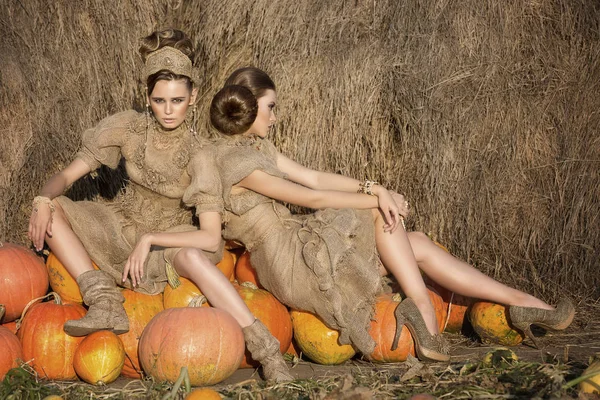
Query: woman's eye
[(158, 101), (177, 101)]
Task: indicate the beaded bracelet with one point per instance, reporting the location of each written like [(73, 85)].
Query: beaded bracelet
[(43, 200), (366, 187)]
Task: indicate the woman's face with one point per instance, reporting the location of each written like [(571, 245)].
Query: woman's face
[(265, 117), (170, 101)]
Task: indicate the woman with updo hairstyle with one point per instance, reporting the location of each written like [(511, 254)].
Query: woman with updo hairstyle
[(329, 262), (144, 239)]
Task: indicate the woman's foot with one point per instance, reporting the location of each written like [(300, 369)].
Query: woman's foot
[(557, 319), (429, 347)]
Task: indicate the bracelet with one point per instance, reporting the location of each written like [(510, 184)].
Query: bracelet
[(366, 187), (42, 200)]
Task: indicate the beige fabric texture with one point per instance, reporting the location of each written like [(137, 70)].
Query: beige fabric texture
[(325, 263), (161, 189)]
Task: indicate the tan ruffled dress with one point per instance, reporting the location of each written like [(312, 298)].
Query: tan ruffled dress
[(163, 186), (325, 262)]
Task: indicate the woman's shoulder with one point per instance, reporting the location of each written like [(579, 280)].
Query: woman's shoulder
[(126, 120)]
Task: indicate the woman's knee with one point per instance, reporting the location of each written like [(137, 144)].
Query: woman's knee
[(190, 258), (419, 242)]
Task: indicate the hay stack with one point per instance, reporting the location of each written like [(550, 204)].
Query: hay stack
[(483, 113)]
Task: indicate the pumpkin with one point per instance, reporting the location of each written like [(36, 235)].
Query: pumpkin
[(11, 349), (140, 309), (23, 277), (44, 341), (99, 358), (489, 320), (274, 315), (383, 330), (227, 264), (208, 341), (245, 272), (592, 383), (11, 326), (456, 306), (441, 312), (182, 295), (62, 282), (292, 350), (203, 394), (317, 341)]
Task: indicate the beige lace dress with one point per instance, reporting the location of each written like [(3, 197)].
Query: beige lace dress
[(163, 186), (325, 262)]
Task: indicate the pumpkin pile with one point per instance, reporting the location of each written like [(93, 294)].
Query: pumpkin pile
[(179, 327)]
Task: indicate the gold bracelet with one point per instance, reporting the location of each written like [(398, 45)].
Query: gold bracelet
[(42, 200), (366, 187)]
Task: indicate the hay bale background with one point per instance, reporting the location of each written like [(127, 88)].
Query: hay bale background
[(485, 114)]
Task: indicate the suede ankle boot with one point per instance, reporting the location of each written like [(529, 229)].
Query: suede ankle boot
[(105, 301), (264, 348)]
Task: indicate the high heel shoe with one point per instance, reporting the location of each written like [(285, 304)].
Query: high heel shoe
[(560, 318), (429, 347)]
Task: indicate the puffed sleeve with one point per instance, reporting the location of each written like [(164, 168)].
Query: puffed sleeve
[(102, 144), (237, 162), (205, 190)]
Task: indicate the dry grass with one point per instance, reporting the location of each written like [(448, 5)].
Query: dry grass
[(484, 113)]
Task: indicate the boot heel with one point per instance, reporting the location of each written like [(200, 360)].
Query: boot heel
[(525, 327), (400, 320)]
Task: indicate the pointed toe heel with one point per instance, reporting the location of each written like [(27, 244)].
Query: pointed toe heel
[(428, 347), (558, 319)]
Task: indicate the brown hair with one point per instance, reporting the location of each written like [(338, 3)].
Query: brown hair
[(159, 39), (233, 110), (257, 80)]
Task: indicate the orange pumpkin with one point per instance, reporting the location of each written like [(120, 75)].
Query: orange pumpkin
[(11, 349), (208, 341), (140, 309), (23, 277), (182, 295), (441, 311), (292, 350), (245, 272), (99, 358), (383, 330), (45, 342), (317, 341), (227, 264), (456, 306), (62, 282), (276, 317), (490, 322), (203, 394), (11, 326)]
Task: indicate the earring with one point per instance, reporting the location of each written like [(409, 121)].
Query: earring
[(193, 130)]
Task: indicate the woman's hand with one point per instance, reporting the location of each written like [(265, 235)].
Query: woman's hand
[(402, 203), (135, 263), (388, 208), (40, 224)]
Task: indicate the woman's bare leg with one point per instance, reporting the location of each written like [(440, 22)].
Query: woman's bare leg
[(397, 256), (66, 246), (464, 279), (193, 264)]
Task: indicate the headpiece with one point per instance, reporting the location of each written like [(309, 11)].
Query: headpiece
[(171, 59)]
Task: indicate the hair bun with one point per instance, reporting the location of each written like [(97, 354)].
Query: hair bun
[(233, 110)]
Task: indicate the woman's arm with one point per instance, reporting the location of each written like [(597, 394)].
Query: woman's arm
[(315, 179), (289, 192), (40, 222), (207, 238)]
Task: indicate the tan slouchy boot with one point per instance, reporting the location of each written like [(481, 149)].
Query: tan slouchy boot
[(105, 301), (264, 348)]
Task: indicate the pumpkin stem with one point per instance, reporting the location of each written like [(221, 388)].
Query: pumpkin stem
[(197, 301), (2, 309), (449, 310), (57, 300), (250, 285), (183, 376)]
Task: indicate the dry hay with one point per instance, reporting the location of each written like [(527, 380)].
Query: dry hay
[(484, 113)]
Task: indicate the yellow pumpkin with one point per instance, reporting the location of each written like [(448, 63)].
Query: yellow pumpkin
[(99, 358), (490, 322), (317, 341)]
